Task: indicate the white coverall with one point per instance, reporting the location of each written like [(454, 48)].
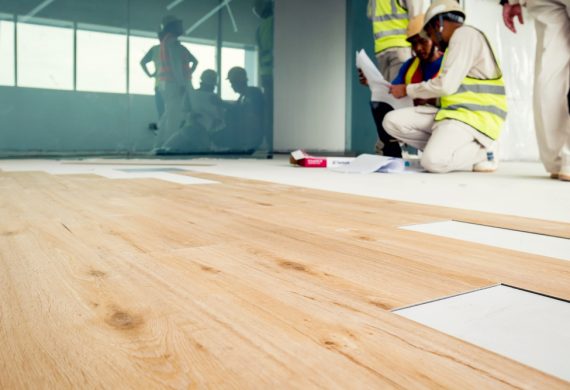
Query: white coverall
[(174, 86), (390, 60), (552, 81), (447, 145)]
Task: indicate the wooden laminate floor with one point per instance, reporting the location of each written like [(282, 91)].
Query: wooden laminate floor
[(243, 284)]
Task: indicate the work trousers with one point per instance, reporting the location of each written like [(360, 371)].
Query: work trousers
[(388, 145), (447, 145), (389, 63), (552, 81), (174, 113)]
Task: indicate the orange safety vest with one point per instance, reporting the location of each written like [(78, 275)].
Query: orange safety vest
[(165, 72)]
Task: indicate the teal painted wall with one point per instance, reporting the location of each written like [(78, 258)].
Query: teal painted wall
[(41, 121), (361, 131)]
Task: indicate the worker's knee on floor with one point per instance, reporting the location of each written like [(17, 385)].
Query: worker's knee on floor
[(435, 163)]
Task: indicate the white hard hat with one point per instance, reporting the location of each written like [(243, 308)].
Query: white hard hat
[(439, 7), (415, 26)]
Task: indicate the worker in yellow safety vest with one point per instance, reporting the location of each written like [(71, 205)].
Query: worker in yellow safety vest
[(264, 10), (390, 20), (462, 133), (424, 65)]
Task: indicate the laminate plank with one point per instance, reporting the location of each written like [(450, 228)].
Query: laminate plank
[(243, 284)]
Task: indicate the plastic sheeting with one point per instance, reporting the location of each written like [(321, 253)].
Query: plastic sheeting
[(516, 54)]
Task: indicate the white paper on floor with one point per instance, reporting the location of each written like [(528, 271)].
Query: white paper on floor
[(537, 244), (529, 328), (370, 163)]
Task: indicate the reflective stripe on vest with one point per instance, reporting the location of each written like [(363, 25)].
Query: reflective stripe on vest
[(482, 104), (389, 21), (264, 38)]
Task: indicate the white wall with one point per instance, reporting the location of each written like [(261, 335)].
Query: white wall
[(310, 75), (516, 53)]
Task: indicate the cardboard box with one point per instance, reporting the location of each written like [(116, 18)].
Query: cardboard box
[(303, 159)]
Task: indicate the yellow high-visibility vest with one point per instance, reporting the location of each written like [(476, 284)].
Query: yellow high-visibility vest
[(264, 38), (389, 22), (482, 104)]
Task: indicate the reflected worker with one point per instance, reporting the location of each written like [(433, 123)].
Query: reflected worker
[(153, 55), (244, 117), (264, 10), (205, 120), (177, 65)]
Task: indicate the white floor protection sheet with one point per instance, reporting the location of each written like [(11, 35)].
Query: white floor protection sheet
[(121, 171), (529, 328), (537, 244)]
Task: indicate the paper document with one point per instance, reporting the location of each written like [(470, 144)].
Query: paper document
[(379, 87), (369, 163)]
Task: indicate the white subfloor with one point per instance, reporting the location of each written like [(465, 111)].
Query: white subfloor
[(521, 189), (529, 328), (555, 247)]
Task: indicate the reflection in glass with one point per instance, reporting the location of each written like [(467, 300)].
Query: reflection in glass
[(45, 56), (7, 53), (143, 51), (101, 61), (231, 58), (206, 55), (146, 94)]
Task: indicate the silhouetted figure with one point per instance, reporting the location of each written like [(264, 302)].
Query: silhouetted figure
[(175, 76), (244, 117), (205, 119), (264, 9), (153, 55)]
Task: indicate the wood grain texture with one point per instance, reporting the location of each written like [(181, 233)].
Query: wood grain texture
[(242, 284)]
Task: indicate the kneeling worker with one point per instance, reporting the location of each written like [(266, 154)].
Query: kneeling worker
[(461, 134), (425, 65)]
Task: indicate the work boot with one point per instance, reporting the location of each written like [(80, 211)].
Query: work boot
[(491, 163), (386, 145)]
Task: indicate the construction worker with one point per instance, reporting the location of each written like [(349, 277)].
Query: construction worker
[(177, 65), (424, 65), (390, 20), (206, 105), (245, 129), (462, 134), (551, 78), (263, 9), (206, 117), (153, 55)]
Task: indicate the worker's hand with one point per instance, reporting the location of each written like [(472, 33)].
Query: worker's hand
[(362, 78), (509, 14), (399, 91)]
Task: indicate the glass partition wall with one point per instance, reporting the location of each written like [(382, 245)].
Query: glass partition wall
[(136, 77)]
